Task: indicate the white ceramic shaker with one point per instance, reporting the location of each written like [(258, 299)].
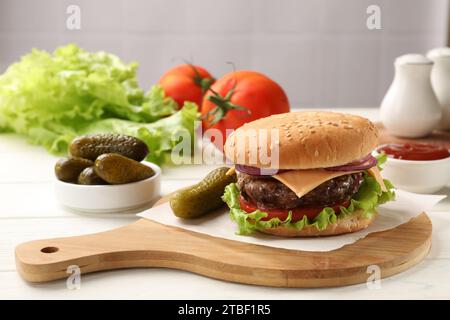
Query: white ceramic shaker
[(410, 107), (440, 79)]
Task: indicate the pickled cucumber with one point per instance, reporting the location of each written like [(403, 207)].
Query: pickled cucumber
[(203, 197), (68, 169), (92, 146), (117, 169), (89, 177)]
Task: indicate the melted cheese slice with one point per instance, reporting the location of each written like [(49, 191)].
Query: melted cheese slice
[(231, 171), (375, 172), (303, 181)]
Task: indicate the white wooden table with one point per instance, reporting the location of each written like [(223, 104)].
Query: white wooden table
[(28, 211)]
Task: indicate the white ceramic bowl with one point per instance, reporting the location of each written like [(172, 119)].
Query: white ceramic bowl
[(110, 198), (417, 176)]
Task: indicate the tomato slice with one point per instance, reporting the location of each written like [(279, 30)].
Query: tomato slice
[(297, 213)]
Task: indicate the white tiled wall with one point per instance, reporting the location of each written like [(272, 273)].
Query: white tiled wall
[(320, 51)]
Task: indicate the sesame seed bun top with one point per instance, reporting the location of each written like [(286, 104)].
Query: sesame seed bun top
[(302, 140)]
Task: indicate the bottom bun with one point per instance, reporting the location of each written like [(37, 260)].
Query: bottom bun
[(352, 223)]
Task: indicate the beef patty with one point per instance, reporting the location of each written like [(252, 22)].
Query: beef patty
[(268, 193)]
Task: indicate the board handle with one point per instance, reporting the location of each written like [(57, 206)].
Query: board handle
[(51, 259)]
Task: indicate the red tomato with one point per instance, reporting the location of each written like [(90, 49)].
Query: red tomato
[(186, 82), (240, 97), (297, 213)]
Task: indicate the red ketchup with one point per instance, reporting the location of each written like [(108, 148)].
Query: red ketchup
[(415, 151)]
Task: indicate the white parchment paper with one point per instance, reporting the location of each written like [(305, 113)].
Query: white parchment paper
[(218, 224)]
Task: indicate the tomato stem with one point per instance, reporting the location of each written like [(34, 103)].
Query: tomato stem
[(223, 105), (203, 83)]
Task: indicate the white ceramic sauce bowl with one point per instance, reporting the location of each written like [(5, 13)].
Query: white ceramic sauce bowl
[(110, 198), (417, 175)]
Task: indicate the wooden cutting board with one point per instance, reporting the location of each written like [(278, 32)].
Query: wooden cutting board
[(146, 243)]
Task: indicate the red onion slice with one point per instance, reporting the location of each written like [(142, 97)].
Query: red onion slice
[(257, 171), (363, 164)]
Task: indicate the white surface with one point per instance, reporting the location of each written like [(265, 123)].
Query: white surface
[(107, 198), (28, 211), (390, 215)]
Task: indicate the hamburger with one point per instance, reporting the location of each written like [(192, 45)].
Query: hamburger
[(321, 179)]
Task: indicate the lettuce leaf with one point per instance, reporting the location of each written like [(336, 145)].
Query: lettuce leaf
[(159, 136), (381, 159), (367, 199), (51, 98)]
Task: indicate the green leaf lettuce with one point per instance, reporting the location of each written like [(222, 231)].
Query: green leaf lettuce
[(51, 98), (367, 199)]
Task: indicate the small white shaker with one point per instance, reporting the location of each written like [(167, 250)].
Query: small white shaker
[(410, 107), (440, 79)]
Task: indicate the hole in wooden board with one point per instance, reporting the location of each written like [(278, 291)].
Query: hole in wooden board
[(49, 249)]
